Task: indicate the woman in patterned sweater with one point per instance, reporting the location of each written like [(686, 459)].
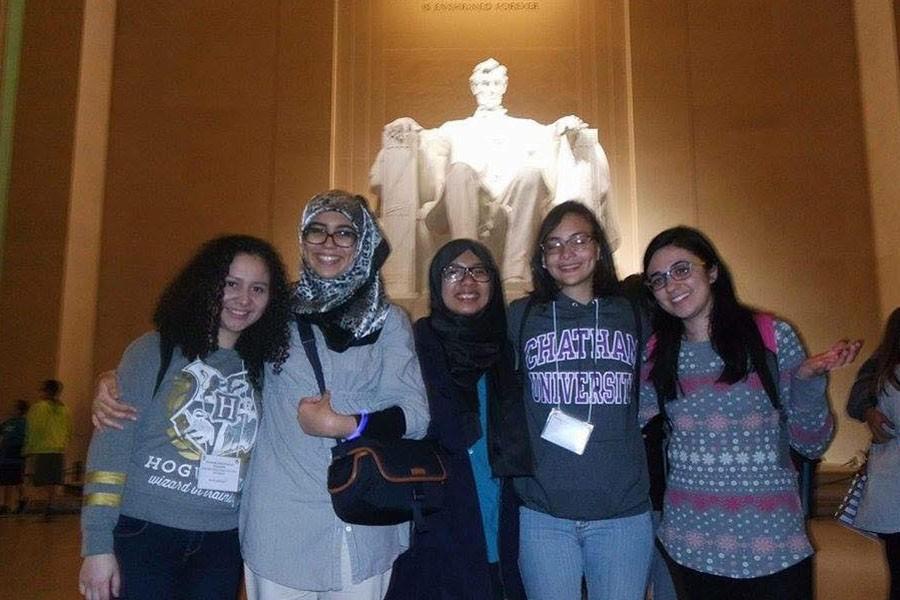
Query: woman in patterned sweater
[(739, 392)]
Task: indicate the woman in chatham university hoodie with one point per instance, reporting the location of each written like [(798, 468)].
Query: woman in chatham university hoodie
[(586, 509)]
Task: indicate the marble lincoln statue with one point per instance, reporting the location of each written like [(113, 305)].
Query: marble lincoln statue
[(492, 176)]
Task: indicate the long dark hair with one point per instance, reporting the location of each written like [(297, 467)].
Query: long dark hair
[(188, 312), (888, 354), (606, 281), (733, 330)]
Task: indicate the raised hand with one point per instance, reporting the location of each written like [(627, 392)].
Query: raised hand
[(841, 353)]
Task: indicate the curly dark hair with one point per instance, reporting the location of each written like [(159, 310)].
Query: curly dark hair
[(606, 281), (188, 312)]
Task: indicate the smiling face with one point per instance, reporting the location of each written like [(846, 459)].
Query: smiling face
[(466, 297), (691, 299), (572, 266), (327, 259), (244, 297)]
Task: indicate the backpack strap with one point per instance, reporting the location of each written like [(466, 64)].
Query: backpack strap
[(309, 347), (639, 349), (166, 349), (520, 347), (660, 403), (765, 323)]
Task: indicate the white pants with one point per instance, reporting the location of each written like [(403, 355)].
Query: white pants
[(373, 588)]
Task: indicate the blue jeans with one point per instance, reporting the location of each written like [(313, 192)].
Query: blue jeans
[(613, 555), (161, 563)]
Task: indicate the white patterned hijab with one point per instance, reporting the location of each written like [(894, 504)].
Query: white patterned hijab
[(351, 308)]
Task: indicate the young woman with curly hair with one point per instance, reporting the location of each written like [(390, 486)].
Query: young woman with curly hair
[(739, 391), (162, 493)]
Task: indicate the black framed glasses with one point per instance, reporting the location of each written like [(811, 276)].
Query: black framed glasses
[(577, 242), (318, 235), (456, 273), (679, 271)]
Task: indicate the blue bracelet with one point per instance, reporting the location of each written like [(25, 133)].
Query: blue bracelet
[(363, 421)]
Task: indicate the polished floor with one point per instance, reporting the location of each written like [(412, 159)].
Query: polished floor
[(39, 560)]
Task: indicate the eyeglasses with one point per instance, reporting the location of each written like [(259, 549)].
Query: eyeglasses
[(456, 273), (677, 272), (577, 242), (342, 238)]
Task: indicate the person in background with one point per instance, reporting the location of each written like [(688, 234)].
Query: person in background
[(468, 550), (738, 391), (879, 510), (862, 404), (12, 464), (586, 511), (48, 429), (162, 494)]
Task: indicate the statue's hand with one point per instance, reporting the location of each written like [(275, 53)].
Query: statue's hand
[(401, 126), (569, 123)]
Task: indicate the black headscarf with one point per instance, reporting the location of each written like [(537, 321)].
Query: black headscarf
[(475, 345), (472, 343)]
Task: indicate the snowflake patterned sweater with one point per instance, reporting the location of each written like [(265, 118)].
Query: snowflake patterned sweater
[(732, 506)]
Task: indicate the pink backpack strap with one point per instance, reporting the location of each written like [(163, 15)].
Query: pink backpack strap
[(766, 325), (650, 346)]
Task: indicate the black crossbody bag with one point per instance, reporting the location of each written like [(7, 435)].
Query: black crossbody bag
[(381, 482)]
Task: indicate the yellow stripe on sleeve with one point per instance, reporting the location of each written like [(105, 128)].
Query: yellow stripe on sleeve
[(103, 499), (107, 477)]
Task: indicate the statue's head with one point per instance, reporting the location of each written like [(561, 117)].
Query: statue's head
[(488, 83)]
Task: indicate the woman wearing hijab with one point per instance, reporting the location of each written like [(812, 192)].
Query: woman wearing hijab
[(469, 549), (294, 546)]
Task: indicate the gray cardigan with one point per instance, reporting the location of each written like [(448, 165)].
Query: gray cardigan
[(289, 532)]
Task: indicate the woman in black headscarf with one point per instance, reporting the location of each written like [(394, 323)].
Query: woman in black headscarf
[(470, 548)]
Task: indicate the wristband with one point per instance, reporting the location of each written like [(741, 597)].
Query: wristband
[(360, 427)]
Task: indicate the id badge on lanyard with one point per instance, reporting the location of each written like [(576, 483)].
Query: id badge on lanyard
[(566, 431), (222, 473)]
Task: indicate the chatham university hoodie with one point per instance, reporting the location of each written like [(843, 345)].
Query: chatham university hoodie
[(583, 355)]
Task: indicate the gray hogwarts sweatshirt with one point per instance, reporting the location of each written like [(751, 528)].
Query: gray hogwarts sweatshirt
[(150, 469), (583, 358)]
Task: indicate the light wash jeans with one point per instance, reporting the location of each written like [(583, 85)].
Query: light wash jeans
[(612, 554)]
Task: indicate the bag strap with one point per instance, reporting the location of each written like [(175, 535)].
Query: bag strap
[(765, 324), (520, 348), (309, 347), (638, 359), (166, 349), (660, 403)]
